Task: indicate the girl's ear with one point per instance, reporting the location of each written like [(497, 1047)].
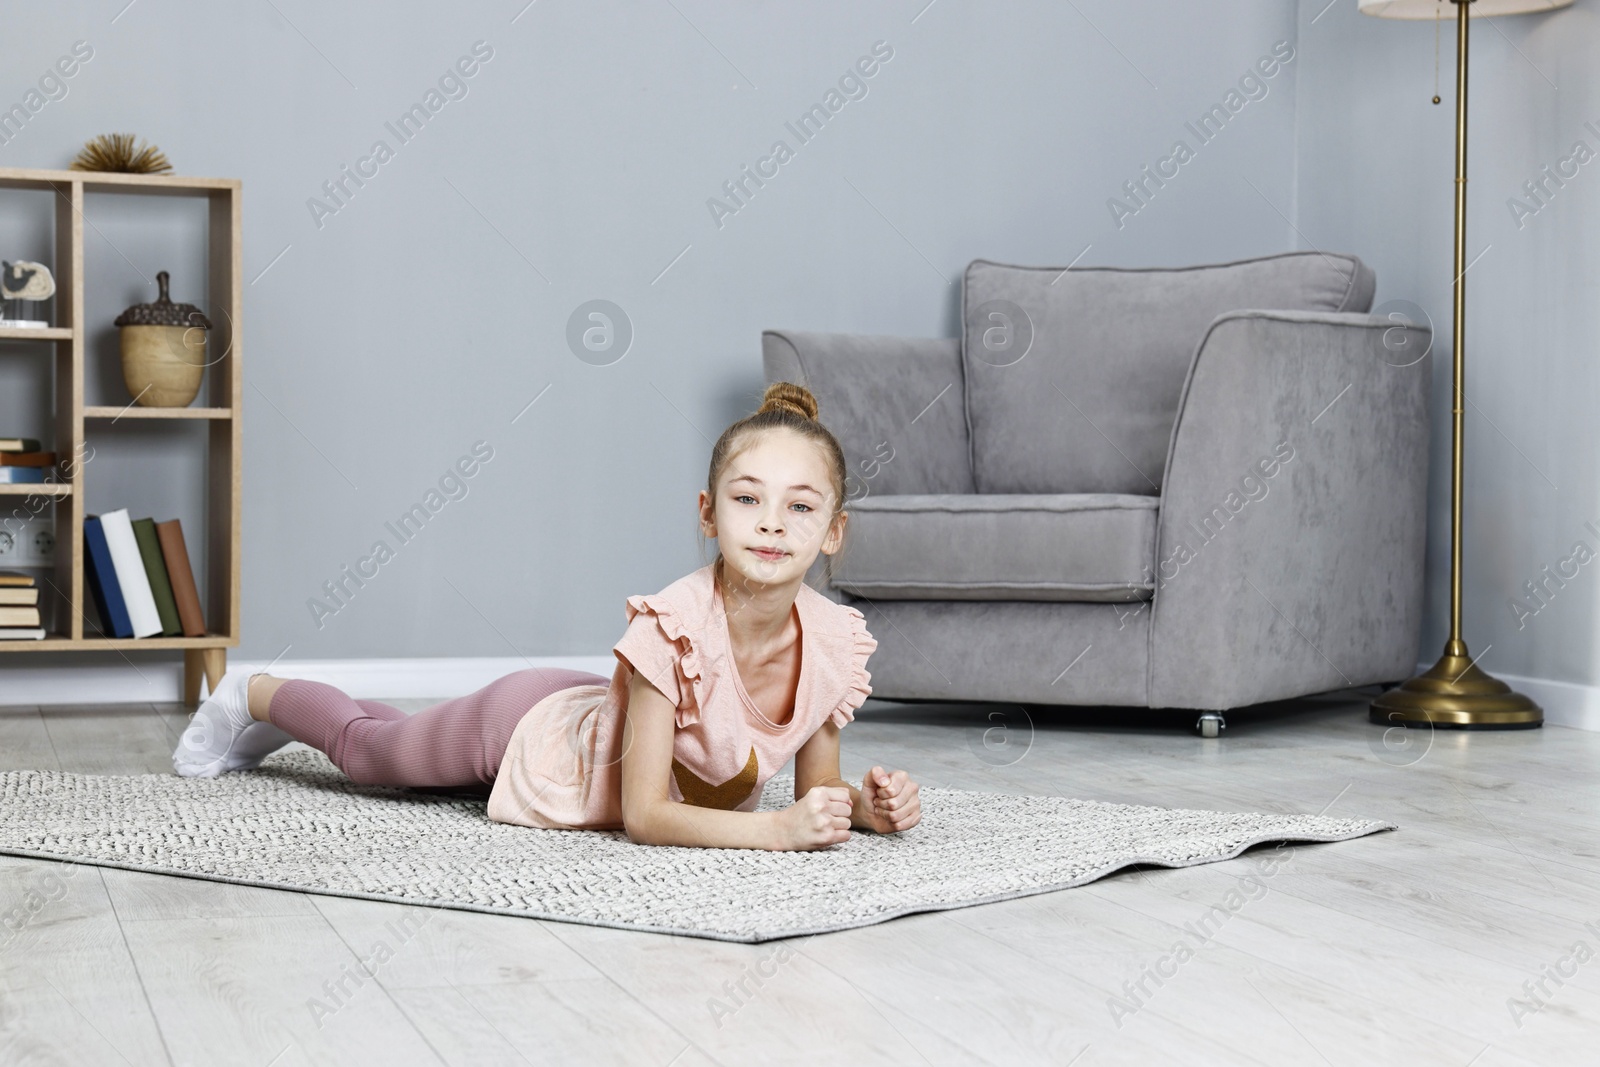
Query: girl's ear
[(835, 538), (708, 514)]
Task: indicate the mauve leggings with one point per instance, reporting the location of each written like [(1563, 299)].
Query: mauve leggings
[(455, 746)]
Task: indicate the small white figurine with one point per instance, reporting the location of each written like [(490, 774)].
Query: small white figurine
[(23, 279)]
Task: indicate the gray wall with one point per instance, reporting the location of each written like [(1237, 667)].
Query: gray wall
[(1376, 172), (426, 313)]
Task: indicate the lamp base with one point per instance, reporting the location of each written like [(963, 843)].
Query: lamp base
[(1456, 694)]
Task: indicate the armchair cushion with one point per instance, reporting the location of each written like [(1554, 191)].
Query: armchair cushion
[(1073, 376), (987, 546)]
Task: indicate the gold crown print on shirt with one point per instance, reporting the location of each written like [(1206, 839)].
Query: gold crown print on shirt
[(727, 796)]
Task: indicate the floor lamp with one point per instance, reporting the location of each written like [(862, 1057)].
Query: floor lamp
[(1456, 692)]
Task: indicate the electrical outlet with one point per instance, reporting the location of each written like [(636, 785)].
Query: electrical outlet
[(28, 544), (42, 544)]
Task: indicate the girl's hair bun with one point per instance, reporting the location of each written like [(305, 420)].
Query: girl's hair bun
[(787, 396)]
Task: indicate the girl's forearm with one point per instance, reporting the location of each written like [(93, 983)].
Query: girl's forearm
[(667, 822)]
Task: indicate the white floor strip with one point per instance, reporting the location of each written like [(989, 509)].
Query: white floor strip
[(367, 679)]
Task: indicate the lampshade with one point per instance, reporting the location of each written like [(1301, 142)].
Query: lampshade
[(1446, 9)]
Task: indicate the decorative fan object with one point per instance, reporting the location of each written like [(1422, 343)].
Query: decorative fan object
[(116, 152)]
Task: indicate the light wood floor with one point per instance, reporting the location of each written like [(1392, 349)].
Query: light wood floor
[(1404, 947)]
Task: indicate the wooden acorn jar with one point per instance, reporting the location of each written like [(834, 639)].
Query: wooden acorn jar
[(163, 350)]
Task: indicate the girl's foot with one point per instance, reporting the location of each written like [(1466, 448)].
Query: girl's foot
[(222, 736)]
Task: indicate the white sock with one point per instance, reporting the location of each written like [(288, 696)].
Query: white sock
[(222, 736)]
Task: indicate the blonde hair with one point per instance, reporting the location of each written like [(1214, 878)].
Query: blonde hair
[(787, 406)]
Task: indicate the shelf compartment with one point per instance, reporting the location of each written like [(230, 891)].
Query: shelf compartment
[(23, 333), (109, 182), (35, 488), (107, 411), (55, 640), (59, 642)]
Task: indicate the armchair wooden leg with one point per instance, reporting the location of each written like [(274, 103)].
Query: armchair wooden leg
[(211, 661)]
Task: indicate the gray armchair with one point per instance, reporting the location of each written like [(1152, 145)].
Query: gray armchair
[(1184, 488)]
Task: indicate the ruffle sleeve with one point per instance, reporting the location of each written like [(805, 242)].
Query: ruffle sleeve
[(860, 681), (658, 645)]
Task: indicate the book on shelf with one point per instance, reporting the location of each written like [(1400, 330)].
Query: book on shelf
[(180, 576), (144, 531), (33, 458), (23, 461), (19, 592), (139, 577), (129, 568), (12, 596), (18, 617), (101, 577)]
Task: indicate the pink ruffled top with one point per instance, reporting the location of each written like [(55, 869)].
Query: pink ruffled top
[(562, 767)]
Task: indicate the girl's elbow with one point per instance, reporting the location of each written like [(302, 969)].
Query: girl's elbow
[(639, 827)]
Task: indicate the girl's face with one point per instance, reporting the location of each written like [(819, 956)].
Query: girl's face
[(775, 495)]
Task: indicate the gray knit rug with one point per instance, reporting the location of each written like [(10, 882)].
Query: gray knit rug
[(298, 823)]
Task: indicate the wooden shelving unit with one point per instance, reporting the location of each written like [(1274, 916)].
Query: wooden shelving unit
[(220, 406)]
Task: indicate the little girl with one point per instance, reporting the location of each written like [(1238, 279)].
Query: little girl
[(721, 677)]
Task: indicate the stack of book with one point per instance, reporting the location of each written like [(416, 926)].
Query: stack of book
[(138, 574), (23, 461), (19, 607)]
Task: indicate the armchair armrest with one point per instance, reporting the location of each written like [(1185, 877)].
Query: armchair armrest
[(896, 404), (1293, 517)]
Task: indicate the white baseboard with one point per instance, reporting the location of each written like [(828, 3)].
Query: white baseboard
[(364, 679), (1565, 703)]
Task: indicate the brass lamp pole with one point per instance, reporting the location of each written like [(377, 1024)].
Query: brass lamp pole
[(1455, 691)]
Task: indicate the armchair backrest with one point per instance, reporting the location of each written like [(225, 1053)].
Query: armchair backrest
[(896, 405), (1073, 376)]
